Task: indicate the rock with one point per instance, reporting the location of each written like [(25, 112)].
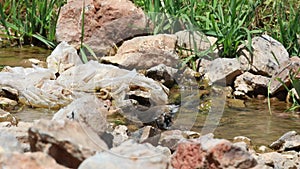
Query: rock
[(93, 76), (36, 160), (120, 135), (8, 143), (20, 132), (128, 155), (223, 70), (68, 142), (289, 141), (266, 53), (171, 139), (194, 41), (163, 74), (277, 160), (62, 58), (147, 134), (107, 23), (145, 52), (206, 152), (7, 117), (251, 84), (7, 104), (283, 73), (34, 87), (88, 110)]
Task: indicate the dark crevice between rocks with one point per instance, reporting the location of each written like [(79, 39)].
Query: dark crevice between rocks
[(63, 157)]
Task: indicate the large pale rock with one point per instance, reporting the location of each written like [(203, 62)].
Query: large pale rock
[(107, 23), (129, 155), (268, 54), (206, 152), (289, 141), (68, 142), (19, 132), (88, 110), (121, 83), (145, 52), (62, 58), (223, 70), (36, 160), (248, 83), (34, 87)]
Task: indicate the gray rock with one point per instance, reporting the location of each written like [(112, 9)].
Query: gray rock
[(120, 135), (68, 142), (145, 52), (289, 141), (249, 83), (88, 110), (107, 23), (223, 70), (266, 53), (9, 143), (19, 132), (163, 73), (171, 139), (128, 155), (283, 73)]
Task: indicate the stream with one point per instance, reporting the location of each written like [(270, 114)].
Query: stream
[(254, 121)]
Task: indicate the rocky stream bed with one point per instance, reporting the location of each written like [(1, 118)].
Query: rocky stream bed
[(137, 106)]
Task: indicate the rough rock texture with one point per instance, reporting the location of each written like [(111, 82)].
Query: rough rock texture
[(19, 132), (283, 72), (276, 160), (266, 52), (9, 143), (195, 41), (171, 139), (120, 135), (163, 74), (107, 23), (289, 141), (88, 110), (223, 70), (206, 152), (62, 58), (145, 52), (68, 142), (129, 155), (33, 86), (36, 160), (248, 83)]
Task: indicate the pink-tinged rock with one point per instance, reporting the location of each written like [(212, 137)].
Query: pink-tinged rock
[(37, 160), (107, 23), (206, 152), (145, 52)]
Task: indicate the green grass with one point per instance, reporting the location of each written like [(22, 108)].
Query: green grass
[(30, 21), (231, 21)]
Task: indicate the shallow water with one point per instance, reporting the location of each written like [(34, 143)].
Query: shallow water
[(19, 56), (253, 121)]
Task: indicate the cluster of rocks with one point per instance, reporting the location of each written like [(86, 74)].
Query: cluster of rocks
[(84, 95)]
